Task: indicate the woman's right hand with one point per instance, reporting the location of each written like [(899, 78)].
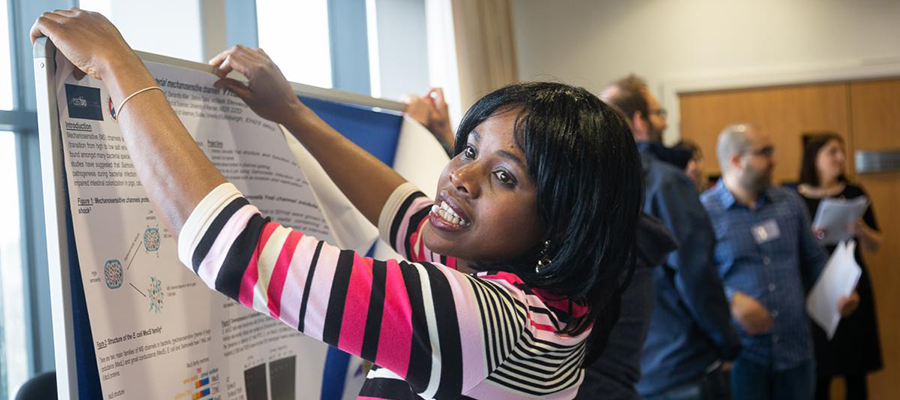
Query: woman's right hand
[(87, 39), (268, 93)]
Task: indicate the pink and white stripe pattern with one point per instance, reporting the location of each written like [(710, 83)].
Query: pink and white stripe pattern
[(431, 331)]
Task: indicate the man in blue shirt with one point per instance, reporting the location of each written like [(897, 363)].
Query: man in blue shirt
[(689, 332), (768, 259)]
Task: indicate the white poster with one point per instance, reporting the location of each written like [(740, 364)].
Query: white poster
[(159, 332)]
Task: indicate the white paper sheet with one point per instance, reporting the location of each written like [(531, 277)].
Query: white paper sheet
[(159, 332), (838, 279), (834, 216)]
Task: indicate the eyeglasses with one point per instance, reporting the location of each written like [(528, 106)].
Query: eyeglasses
[(767, 151), (661, 112)]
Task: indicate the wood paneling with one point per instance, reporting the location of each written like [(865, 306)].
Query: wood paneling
[(875, 108), (783, 112), (867, 114)]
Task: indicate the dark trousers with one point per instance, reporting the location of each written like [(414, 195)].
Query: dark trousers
[(752, 381), (712, 386), (855, 383)]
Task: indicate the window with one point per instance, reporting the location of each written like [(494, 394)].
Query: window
[(295, 35), (398, 47), (167, 27), (25, 330), (101, 6), (13, 350), (13, 346), (372, 47), (6, 92)]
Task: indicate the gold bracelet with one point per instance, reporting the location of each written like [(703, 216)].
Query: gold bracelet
[(115, 115)]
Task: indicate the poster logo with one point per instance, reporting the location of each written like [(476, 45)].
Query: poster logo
[(112, 109), (84, 102)]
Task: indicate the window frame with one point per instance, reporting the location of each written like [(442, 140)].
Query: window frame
[(22, 122)]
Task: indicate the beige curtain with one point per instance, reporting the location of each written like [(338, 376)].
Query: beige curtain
[(485, 47)]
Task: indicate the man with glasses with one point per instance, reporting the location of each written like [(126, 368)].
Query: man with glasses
[(768, 259), (674, 332)]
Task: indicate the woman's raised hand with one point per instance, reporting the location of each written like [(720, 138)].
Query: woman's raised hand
[(268, 93), (87, 39), (432, 112)]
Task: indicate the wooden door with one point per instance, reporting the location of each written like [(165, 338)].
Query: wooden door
[(783, 112), (875, 113)]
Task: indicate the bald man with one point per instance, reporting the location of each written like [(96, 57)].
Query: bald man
[(768, 260)]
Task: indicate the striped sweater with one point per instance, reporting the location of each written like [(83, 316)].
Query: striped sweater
[(431, 331)]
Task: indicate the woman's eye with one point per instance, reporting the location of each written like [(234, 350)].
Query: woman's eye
[(505, 178), (469, 152)]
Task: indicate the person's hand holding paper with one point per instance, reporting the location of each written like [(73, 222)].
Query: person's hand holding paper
[(847, 305), (836, 219), (267, 91), (833, 295)]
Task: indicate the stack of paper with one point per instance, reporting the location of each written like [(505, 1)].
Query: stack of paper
[(834, 217)]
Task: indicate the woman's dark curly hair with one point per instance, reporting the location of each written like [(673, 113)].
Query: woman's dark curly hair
[(587, 171)]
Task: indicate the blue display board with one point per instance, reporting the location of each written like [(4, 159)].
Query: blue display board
[(377, 131)]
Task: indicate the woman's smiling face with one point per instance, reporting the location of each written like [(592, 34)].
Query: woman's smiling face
[(486, 210)]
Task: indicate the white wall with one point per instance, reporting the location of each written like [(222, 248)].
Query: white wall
[(679, 44)]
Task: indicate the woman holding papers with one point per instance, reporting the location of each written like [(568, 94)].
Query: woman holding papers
[(855, 349), (513, 273)]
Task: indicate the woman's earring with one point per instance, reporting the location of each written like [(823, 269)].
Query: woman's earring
[(543, 260)]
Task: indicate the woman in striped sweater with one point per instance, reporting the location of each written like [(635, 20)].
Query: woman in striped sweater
[(512, 274)]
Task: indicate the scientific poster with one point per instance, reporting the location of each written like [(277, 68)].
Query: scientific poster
[(158, 331)]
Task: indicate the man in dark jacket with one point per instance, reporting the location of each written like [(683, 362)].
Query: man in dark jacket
[(690, 338), (618, 369)]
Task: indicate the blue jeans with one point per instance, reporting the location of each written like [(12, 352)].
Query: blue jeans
[(752, 381), (712, 386)]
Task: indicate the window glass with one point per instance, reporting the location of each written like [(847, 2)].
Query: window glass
[(295, 35), (13, 349), (6, 88)]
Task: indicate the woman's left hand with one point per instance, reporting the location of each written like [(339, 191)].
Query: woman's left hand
[(267, 91), (87, 39), (847, 305), (857, 227), (432, 112)]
